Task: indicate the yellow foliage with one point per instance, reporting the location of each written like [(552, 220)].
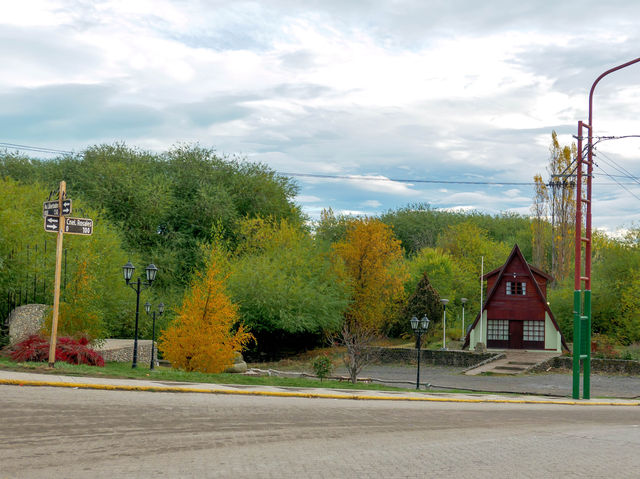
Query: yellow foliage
[(372, 265), (202, 337)]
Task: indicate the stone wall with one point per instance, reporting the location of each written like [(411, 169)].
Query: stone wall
[(598, 365), (121, 350), (438, 358), (25, 320)]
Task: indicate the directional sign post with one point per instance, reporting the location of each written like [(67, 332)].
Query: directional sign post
[(52, 223), (51, 208), (78, 226), (55, 220)]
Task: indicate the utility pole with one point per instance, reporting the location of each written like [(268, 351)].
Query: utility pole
[(582, 297)]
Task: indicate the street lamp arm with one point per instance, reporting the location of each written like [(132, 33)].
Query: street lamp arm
[(134, 285), (593, 87)]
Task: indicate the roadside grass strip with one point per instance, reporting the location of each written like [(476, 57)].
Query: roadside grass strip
[(308, 395)]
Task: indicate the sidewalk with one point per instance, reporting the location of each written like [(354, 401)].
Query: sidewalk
[(50, 380)]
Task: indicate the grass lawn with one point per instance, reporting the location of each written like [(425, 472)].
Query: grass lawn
[(124, 370)]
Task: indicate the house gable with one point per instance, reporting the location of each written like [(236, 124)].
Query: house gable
[(517, 291)]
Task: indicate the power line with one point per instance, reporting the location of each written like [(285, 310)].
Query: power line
[(618, 167), (373, 178), (621, 184), (36, 149), (404, 180)]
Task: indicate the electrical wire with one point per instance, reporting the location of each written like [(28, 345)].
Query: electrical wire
[(621, 184), (379, 178), (404, 180), (618, 167), (38, 149)]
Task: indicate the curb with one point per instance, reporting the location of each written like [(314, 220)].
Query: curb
[(110, 387)]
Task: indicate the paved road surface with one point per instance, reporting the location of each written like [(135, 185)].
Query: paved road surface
[(560, 384), (59, 432)]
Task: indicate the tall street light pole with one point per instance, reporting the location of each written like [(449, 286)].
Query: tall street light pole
[(444, 324), (582, 297), (419, 328), (127, 271)]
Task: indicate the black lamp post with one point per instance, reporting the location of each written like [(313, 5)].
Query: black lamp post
[(419, 327), (127, 271), (147, 308), (444, 324), (464, 333)]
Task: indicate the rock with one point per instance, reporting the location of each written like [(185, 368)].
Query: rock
[(239, 366), (26, 320)]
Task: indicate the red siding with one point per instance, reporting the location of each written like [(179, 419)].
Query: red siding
[(518, 307)]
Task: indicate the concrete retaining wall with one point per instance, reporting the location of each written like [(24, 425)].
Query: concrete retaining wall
[(438, 358), (620, 366)]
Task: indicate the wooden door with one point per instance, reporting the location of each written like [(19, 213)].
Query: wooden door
[(515, 335)]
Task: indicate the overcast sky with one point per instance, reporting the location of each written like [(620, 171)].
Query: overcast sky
[(450, 90)]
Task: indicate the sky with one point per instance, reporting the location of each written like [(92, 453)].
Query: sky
[(431, 92)]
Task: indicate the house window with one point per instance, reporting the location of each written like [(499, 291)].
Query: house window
[(516, 288), (498, 329), (533, 331)]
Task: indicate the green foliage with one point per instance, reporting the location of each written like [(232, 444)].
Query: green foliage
[(166, 205), (283, 282), (425, 300), (331, 228), (100, 256), (322, 366), (419, 226)]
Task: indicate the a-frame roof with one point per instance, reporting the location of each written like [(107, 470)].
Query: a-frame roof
[(515, 252)]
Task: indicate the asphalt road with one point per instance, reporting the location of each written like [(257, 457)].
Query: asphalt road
[(552, 383), (59, 432)]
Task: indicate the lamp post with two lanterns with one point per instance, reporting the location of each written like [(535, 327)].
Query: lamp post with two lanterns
[(127, 271), (419, 327), (147, 308)]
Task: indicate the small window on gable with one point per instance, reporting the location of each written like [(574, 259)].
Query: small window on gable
[(516, 288)]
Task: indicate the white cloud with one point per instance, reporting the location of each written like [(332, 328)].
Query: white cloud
[(452, 91)]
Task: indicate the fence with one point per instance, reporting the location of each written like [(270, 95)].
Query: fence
[(29, 280)]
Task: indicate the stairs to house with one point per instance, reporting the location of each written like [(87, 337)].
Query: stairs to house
[(516, 361)]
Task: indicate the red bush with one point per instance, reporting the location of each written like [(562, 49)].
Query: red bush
[(69, 350)]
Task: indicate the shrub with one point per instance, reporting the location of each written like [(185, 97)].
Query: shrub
[(322, 366), (69, 350), (604, 347)]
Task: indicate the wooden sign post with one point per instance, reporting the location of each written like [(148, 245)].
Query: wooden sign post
[(56, 285), (55, 221)]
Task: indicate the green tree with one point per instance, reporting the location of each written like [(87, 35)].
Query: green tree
[(425, 300), (97, 259), (284, 284)]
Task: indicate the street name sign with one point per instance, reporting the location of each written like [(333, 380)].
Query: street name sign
[(78, 226), (50, 208), (52, 223)]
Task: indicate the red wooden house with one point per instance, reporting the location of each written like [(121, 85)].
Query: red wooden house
[(516, 314)]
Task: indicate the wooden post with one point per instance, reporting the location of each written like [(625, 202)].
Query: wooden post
[(56, 290)]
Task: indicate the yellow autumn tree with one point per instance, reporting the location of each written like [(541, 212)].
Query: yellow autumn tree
[(204, 337), (370, 262)]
